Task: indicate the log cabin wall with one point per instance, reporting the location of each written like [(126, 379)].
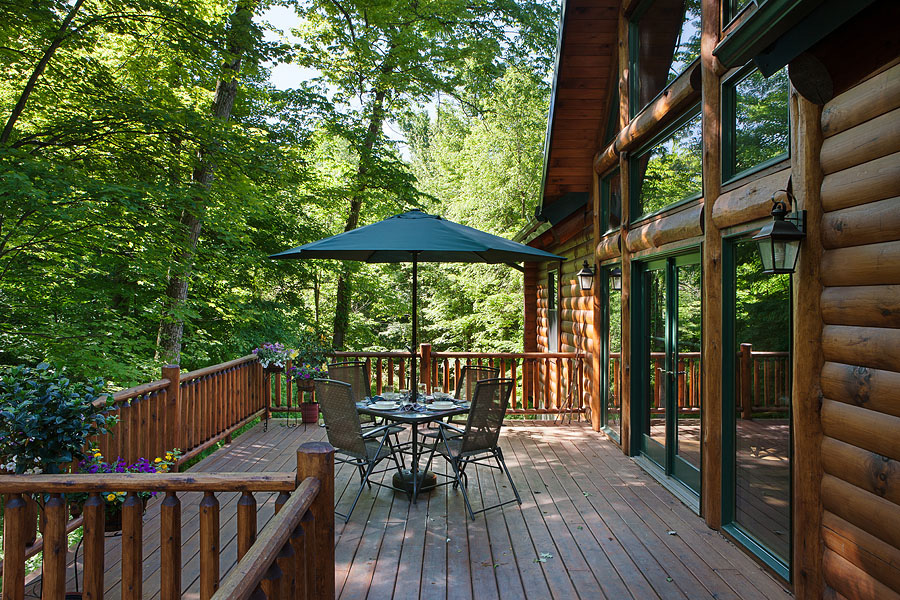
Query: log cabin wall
[(844, 170), (860, 305)]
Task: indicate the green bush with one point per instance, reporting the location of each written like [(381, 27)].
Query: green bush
[(46, 419)]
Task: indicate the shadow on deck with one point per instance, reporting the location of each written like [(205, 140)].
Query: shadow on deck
[(592, 525)]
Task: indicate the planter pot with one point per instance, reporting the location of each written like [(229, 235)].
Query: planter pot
[(113, 521), (310, 412)]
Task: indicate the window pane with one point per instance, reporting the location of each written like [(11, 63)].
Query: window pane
[(762, 413), (668, 41), (612, 190), (614, 362), (761, 128), (671, 170)]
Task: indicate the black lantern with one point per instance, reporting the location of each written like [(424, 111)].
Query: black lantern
[(615, 279), (779, 241), (586, 277)]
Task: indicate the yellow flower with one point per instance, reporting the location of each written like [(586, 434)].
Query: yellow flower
[(157, 459), (98, 454), (169, 456), (111, 497), (164, 468)]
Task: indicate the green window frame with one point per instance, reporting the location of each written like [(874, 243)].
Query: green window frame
[(732, 8), (730, 138), (613, 431), (607, 193), (729, 410), (635, 174), (634, 92)]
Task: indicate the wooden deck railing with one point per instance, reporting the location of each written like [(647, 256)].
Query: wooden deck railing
[(546, 382), (298, 541), (190, 411)]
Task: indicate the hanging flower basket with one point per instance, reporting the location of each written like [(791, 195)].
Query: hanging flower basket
[(305, 385), (274, 369)]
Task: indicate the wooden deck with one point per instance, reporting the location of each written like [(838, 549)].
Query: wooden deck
[(591, 525)]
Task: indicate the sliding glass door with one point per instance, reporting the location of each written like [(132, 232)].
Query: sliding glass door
[(669, 366)]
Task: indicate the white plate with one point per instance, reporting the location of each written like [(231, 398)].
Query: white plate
[(441, 405), (385, 405)]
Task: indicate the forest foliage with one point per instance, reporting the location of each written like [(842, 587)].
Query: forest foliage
[(107, 110)]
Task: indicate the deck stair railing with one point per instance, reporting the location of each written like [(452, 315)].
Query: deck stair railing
[(292, 557)]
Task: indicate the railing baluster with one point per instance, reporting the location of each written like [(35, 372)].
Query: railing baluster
[(54, 565), (512, 372), (286, 563), (209, 545), (94, 519), (170, 547), (132, 551), (271, 583), (304, 574), (246, 521), (15, 532)]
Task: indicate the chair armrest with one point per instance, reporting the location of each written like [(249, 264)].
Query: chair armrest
[(456, 430), (374, 431)]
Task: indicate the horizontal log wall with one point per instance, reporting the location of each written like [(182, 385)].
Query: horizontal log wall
[(860, 303)]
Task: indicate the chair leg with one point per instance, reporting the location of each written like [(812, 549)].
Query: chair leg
[(361, 487), (499, 456), (458, 472)]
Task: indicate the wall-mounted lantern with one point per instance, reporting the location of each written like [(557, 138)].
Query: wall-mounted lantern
[(615, 279), (779, 241), (586, 277)]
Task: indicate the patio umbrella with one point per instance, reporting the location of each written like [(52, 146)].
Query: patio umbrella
[(416, 237)]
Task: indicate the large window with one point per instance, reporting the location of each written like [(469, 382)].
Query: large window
[(611, 202), (611, 386), (670, 169), (756, 128), (665, 39), (757, 410)]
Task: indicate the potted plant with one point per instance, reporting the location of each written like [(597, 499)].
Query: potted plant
[(304, 377), (274, 357), (113, 500), (46, 418), (312, 353)]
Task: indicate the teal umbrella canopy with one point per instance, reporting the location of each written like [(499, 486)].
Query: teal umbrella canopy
[(429, 237), (416, 237)]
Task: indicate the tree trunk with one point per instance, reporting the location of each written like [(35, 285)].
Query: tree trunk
[(57, 41), (344, 289), (171, 328)]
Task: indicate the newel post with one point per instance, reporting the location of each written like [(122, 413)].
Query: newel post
[(173, 407), (316, 459), (425, 369), (746, 381)]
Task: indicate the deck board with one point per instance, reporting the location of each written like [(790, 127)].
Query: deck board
[(603, 522)]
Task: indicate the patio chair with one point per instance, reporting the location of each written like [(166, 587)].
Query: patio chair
[(478, 442), (353, 446), (465, 386), (356, 375)]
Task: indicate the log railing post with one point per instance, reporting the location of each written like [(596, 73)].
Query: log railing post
[(170, 547), (246, 523), (308, 528), (209, 545), (94, 518), (55, 547), (173, 435), (425, 367), (132, 547), (746, 384), (316, 459), (15, 533)]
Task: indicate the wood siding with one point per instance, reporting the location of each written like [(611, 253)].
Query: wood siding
[(860, 302)]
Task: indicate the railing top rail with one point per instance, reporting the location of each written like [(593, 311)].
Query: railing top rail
[(386, 354), (140, 390), (508, 354), (217, 368), (764, 354), (148, 482), (246, 575)]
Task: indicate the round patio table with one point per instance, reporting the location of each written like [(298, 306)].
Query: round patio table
[(412, 481)]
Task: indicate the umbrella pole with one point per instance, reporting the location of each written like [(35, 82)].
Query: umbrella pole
[(413, 384)]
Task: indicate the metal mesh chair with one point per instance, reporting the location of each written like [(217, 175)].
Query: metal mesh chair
[(465, 386), (478, 441), (364, 450), (356, 375)]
